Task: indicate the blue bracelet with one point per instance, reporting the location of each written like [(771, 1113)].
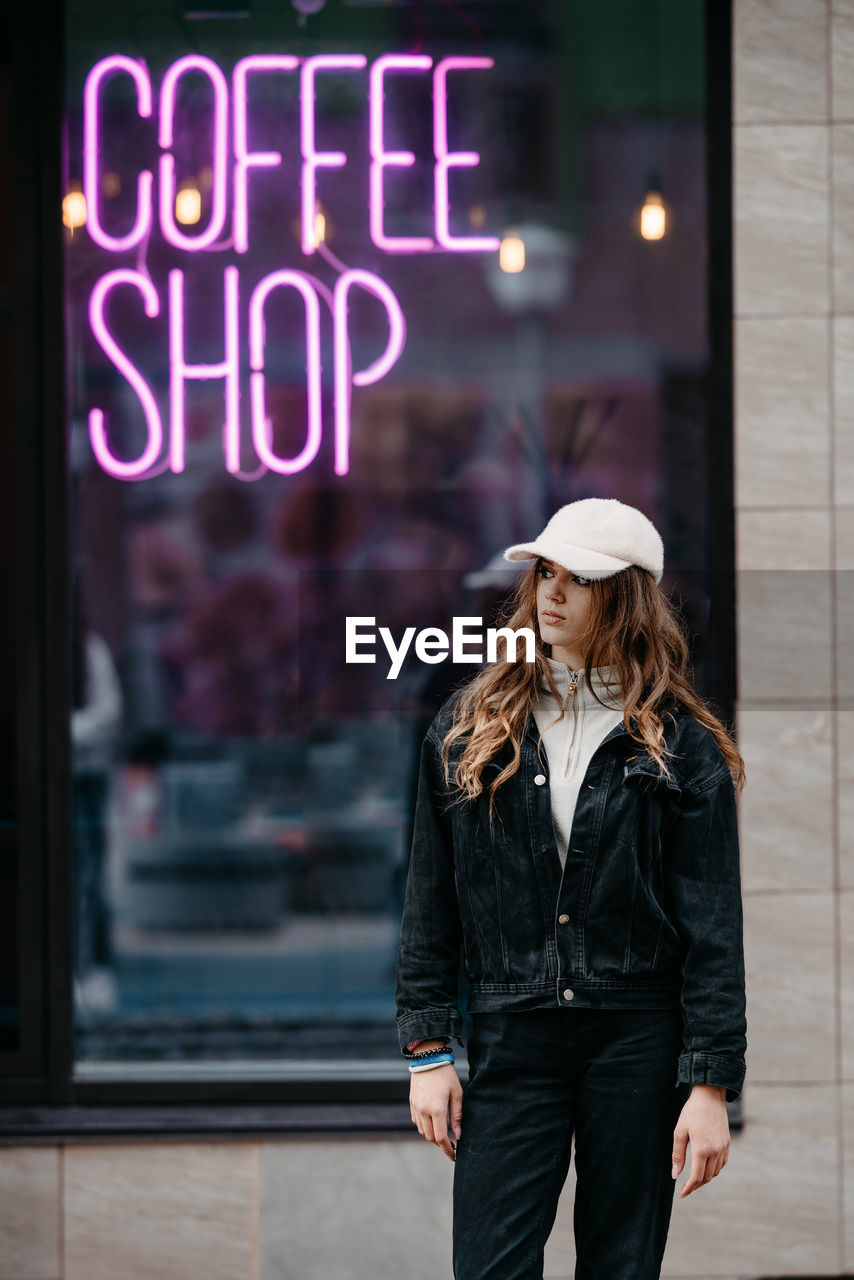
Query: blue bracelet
[(435, 1060)]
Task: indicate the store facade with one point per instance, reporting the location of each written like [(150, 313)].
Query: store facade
[(345, 299), (350, 299)]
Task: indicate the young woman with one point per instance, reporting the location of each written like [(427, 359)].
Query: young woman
[(575, 836)]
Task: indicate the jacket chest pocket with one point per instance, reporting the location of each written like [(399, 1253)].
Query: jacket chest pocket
[(642, 799), (642, 774)]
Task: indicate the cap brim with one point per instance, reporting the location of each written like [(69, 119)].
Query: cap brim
[(580, 560)]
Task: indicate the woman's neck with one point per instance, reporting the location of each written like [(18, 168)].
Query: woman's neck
[(568, 657)]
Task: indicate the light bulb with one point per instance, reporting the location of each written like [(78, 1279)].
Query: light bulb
[(188, 206), (511, 254), (74, 210), (653, 219)]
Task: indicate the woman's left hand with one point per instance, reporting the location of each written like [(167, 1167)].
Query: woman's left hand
[(703, 1122)]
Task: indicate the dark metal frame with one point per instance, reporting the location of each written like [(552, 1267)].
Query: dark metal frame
[(35, 68), (41, 1100), (720, 442)]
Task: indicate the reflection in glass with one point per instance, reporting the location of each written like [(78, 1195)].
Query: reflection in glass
[(242, 795)]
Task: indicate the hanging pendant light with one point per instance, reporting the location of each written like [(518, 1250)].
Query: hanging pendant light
[(653, 214)]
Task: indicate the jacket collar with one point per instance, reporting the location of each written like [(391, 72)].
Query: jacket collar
[(619, 730), (532, 731)]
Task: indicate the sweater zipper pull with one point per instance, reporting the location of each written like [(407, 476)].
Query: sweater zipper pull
[(573, 684)]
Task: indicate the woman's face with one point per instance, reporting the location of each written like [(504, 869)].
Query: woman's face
[(564, 602)]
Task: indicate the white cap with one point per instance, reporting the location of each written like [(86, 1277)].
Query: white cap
[(596, 537)]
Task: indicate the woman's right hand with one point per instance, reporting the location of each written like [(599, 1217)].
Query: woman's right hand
[(431, 1095)]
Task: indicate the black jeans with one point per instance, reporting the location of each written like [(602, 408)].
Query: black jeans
[(535, 1079)]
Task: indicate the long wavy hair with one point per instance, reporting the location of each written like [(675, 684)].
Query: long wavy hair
[(633, 628)]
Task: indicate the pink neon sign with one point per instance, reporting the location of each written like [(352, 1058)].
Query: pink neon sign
[(364, 377), (382, 159), (232, 162), (312, 158), (168, 93), (180, 371), (228, 369), (244, 159), (97, 428), (447, 160), (91, 176), (293, 280)]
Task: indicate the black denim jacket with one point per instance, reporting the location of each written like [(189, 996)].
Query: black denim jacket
[(646, 913)]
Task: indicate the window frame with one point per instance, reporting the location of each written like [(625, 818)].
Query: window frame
[(40, 1097)]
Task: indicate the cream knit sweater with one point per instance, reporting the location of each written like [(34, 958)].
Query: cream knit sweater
[(570, 743)]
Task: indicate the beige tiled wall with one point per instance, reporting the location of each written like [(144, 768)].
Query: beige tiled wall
[(324, 1209), (342, 1209), (794, 339), (30, 1214)]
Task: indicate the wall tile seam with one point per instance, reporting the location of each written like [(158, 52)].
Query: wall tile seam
[(756, 122), (834, 313), (799, 316), (835, 790), (765, 316), (203, 1145), (790, 708), (790, 315), (60, 1216), (837, 870), (750, 893), (783, 122), (788, 892), (784, 508), (748, 562), (256, 1215), (785, 1083)]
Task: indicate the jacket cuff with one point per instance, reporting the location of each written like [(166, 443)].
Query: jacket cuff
[(426, 1024), (720, 1069)]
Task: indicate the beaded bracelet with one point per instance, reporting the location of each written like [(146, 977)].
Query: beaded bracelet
[(426, 1053), (408, 1051)]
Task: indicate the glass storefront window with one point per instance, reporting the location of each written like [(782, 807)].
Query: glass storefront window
[(357, 294)]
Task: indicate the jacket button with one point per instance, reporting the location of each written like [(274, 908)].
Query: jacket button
[(564, 919), (568, 994), (539, 780)]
